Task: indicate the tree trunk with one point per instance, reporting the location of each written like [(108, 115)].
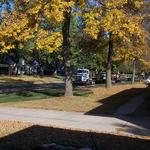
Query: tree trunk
[(109, 62), (133, 73), (66, 54)]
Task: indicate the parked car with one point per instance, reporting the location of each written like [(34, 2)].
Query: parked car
[(101, 78), (83, 77)]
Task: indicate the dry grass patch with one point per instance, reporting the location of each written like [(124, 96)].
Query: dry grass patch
[(30, 79), (11, 127), (116, 89), (77, 103)]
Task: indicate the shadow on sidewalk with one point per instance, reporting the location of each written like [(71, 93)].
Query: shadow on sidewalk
[(110, 105), (35, 136)]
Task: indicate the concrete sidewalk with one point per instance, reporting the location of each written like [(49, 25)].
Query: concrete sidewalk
[(74, 120)]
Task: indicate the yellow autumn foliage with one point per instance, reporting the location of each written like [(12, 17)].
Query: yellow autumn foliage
[(12, 29), (112, 17), (25, 23), (49, 41)]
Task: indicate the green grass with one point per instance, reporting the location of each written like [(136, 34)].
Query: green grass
[(22, 96), (37, 95)]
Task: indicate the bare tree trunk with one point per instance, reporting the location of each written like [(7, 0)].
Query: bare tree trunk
[(133, 73), (66, 54), (109, 62)]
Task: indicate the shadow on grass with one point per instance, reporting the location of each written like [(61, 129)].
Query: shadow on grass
[(34, 136), (6, 88), (19, 90), (27, 88), (61, 92)]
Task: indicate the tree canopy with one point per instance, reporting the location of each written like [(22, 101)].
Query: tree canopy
[(99, 29)]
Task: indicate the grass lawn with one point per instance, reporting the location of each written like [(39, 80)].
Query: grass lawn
[(26, 136), (29, 79), (87, 99), (22, 96)]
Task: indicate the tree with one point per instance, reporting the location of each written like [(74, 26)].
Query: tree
[(40, 20), (81, 46), (130, 55), (118, 20)]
